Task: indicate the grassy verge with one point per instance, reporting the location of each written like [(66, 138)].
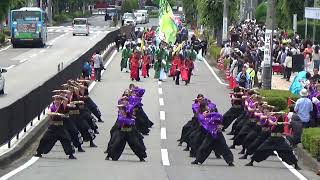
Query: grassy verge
[(311, 141), (278, 98)]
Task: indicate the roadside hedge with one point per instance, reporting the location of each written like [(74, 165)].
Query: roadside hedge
[(278, 98), (2, 38), (311, 141), (214, 51), (301, 29)]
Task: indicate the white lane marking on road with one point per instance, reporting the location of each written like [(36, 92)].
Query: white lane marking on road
[(161, 102), (213, 73), (23, 60), (42, 51), (24, 166), (165, 157), (162, 115), (292, 169), (159, 82), (10, 67), (160, 91), (163, 133), (5, 48), (33, 55), (54, 40)]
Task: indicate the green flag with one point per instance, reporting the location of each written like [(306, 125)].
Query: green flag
[(168, 28)]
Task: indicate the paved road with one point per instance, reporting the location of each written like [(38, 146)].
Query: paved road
[(11, 57), (177, 107)]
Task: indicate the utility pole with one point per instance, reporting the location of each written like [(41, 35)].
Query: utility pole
[(225, 21), (267, 60), (316, 4), (50, 11)]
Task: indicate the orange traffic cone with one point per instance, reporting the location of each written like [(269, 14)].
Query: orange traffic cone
[(286, 129), (92, 74)]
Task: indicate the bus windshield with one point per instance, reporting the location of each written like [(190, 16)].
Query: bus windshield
[(79, 22), (26, 16)]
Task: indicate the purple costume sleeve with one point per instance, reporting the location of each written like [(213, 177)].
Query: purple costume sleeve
[(53, 108), (139, 91), (195, 108)]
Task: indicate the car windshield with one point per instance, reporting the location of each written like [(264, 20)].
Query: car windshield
[(79, 21), (128, 16)]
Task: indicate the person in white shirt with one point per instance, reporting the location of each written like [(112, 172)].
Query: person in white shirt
[(98, 65), (288, 65)]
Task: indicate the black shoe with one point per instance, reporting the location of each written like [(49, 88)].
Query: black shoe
[(100, 121), (249, 164), (38, 155), (107, 158), (72, 157), (297, 167), (80, 149), (232, 147), (218, 157), (93, 145), (96, 132), (242, 151), (142, 160), (243, 157), (186, 149), (231, 165), (195, 162), (230, 133)]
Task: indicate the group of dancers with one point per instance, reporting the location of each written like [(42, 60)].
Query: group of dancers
[(131, 124), (257, 127), (174, 61), (203, 133), (70, 119)]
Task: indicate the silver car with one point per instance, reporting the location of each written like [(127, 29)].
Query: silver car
[(129, 19)]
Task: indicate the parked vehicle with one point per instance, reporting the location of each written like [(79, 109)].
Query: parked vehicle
[(145, 12), (110, 12), (80, 26), (2, 80), (151, 9), (141, 18), (129, 19)]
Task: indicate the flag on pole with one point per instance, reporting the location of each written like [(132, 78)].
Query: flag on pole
[(168, 29)]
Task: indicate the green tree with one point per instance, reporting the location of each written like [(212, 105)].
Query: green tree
[(129, 6)]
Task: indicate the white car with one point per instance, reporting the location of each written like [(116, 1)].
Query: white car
[(129, 19), (141, 18), (2, 80), (145, 12), (80, 26)]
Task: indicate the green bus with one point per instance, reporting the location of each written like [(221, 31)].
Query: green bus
[(28, 27)]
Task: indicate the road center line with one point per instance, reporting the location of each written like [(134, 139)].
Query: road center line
[(163, 133), (162, 115), (33, 55), (165, 157), (23, 60), (161, 102), (24, 166), (10, 67), (159, 82), (160, 91)]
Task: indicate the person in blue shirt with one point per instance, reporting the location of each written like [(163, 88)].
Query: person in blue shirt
[(243, 78), (303, 108), (86, 70)]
